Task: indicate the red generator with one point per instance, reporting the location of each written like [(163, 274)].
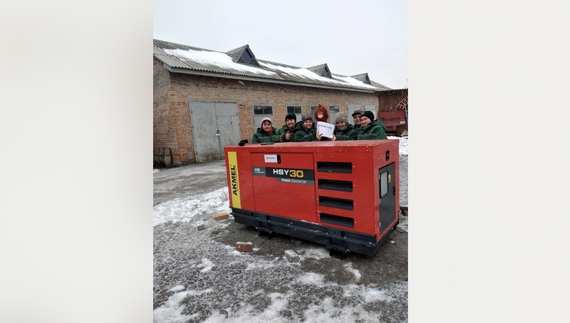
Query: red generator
[(341, 194)]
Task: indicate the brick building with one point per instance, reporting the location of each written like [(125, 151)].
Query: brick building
[(204, 100)]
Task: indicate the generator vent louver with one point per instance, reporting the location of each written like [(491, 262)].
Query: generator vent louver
[(337, 220), (329, 184), (332, 167), (336, 202)]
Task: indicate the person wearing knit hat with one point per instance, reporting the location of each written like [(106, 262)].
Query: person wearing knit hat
[(370, 129), (291, 116), (341, 117), (367, 114), (370, 116), (356, 119), (266, 132), (286, 132), (343, 129), (306, 117), (305, 130)]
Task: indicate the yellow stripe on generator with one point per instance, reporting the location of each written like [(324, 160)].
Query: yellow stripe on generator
[(234, 179)]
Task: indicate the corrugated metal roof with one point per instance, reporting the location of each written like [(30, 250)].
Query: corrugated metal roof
[(395, 90), (362, 77), (380, 86), (192, 60)]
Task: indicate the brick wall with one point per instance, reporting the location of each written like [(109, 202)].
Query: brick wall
[(173, 92), (164, 135)]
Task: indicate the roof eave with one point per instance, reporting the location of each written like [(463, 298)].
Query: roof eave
[(256, 79), (393, 90)]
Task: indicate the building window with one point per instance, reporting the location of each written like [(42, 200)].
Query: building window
[(296, 110), (313, 109), (260, 112), (293, 109), (246, 56), (326, 72)]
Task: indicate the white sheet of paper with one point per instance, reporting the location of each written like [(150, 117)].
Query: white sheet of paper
[(327, 129)]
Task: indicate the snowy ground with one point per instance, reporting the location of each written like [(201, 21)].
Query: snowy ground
[(200, 277)]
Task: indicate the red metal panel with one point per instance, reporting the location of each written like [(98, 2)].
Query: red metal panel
[(283, 184), (393, 118), (338, 187)]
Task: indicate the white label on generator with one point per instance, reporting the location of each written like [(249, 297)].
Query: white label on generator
[(270, 158)]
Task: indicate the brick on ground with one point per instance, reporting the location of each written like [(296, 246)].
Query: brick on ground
[(244, 246), (221, 216)]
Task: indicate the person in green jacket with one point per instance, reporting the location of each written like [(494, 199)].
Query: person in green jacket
[(343, 129), (266, 132), (305, 130), (370, 129), (381, 122), (288, 130)]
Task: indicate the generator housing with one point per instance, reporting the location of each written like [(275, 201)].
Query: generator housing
[(341, 194)]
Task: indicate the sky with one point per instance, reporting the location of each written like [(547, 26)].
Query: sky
[(351, 37), (197, 208)]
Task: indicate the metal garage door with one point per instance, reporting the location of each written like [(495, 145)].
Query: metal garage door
[(215, 125)]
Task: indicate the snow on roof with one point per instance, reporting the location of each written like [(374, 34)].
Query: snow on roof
[(305, 73), (192, 58), (354, 81), (216, 58)]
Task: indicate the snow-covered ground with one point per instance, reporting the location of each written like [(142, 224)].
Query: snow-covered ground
[(189, 264)]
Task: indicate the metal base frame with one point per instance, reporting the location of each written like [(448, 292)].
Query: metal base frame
[(338, 241)]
